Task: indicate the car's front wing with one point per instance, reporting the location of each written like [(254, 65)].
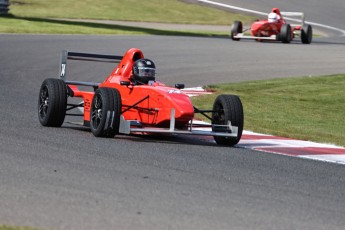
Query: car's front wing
[(229, 130), (243, 36)]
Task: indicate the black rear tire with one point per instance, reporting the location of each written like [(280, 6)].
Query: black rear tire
[(228, 108), (236, 28), (52, 102), (105, 112), (306, 34), (285, 33)]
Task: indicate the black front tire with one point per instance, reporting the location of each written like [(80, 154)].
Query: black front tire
[(105, 112), (306, 34), (228, 108), (236, 28), (285, 33), (52, 102)]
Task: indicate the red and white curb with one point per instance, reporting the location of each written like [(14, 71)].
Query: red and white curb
[(291, 147), (282, 145)]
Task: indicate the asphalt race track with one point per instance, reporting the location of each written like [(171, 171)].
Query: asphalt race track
[(65, 178)]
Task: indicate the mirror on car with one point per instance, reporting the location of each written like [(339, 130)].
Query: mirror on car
[(179, 86), (125, 83)]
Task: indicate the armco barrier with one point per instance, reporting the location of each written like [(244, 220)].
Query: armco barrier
[(4, 7)]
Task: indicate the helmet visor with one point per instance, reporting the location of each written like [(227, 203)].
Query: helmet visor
[(146, 72)]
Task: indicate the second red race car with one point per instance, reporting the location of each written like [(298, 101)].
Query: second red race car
[(275, 28), (131, 100)]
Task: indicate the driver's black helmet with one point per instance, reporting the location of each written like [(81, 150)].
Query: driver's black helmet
[(144, 70)]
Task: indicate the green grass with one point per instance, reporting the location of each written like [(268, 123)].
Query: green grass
[(57, 26), (36, 16), (173, 11), (306, 108)]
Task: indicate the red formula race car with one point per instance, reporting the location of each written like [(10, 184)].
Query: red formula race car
[(131, 100), (274, 28)]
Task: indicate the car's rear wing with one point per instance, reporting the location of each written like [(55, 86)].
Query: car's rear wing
[(66, 55), (294, 14)]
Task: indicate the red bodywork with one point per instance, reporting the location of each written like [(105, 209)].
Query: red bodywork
[(264, 28), (157, 99), (123, 104)]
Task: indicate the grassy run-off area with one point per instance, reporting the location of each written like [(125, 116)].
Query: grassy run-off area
[(39, 16), (306, 108)]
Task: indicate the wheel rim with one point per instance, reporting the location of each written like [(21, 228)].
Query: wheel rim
[(96, 114), (44, 102), (219, 117)]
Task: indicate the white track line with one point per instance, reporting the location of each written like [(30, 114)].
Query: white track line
[(263, 13)]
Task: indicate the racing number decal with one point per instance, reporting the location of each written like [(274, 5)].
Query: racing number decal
[(87, 105)]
